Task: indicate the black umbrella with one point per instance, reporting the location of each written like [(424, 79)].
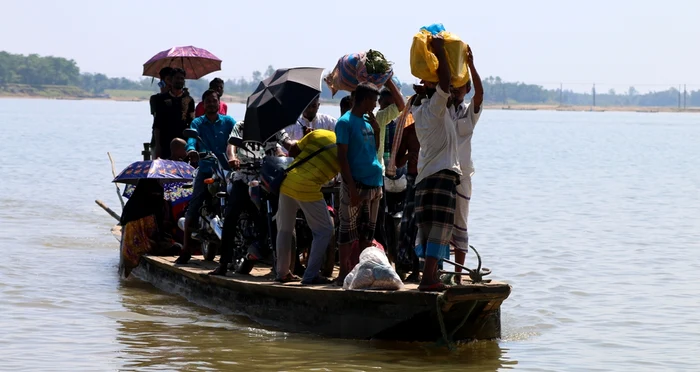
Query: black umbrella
[(279, 100)]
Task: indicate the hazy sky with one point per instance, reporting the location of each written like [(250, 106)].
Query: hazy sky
[(652, 44)]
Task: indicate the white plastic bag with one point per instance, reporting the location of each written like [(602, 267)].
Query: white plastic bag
[(373, 272)]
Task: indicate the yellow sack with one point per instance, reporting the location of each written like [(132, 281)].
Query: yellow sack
[(424, 63)]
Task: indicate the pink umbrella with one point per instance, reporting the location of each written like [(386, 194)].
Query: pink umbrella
[(196, 62)]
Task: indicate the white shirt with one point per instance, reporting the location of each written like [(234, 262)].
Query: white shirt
[(321, 121), (465, 119), (437, 134)]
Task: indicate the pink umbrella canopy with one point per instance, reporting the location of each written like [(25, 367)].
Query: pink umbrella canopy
[(196, 62)]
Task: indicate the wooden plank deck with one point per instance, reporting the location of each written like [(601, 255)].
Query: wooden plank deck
[(263, 276)]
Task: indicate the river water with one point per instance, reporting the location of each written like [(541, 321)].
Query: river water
[(593, 218)]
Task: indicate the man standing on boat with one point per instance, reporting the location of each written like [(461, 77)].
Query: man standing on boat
[(173, 113), (391, 104), (309, 120), (465, 115), (407, 154), (216, 85), (301, 189), (214, 129), (164, 85), (438, 170), (357, 136)]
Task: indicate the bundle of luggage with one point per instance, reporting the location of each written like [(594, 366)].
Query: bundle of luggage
[(355, 68)]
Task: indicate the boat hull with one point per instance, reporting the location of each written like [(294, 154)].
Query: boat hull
[(405, 315)]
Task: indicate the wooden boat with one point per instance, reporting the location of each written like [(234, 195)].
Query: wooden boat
[(467, 312)]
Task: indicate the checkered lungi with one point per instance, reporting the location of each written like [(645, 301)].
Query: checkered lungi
[(360, 221), (435, 214)]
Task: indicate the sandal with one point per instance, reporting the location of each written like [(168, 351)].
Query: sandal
[(435, 287)]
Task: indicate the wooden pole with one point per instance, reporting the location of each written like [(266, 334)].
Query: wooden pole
[(114, 174), (108, 210)]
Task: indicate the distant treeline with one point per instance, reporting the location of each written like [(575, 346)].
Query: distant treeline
[(35, 70), (498, 91)]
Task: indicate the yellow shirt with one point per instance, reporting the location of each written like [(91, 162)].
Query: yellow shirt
[(304, 182)]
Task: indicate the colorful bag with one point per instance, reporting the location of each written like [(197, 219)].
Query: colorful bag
[(351, 71), (424, 63)]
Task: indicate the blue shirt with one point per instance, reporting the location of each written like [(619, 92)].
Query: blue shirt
[(357, 133), (213, 134)]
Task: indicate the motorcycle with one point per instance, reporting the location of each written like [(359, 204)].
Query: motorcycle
[(210, 222), (247, 250)]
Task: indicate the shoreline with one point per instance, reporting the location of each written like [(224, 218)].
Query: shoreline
[(544, 107), (487, 106)]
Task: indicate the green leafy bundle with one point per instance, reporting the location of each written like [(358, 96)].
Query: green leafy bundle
[(376, 63)]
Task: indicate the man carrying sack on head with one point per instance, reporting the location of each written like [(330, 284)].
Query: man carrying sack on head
[(438, 170), (465, 115)]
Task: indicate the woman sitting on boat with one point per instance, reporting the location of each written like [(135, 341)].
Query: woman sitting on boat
[(143, 226)]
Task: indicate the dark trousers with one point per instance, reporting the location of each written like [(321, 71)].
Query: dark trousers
[(238, 201), (406, 255)]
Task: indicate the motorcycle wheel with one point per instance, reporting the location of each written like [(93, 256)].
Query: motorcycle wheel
[(209, 250)]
